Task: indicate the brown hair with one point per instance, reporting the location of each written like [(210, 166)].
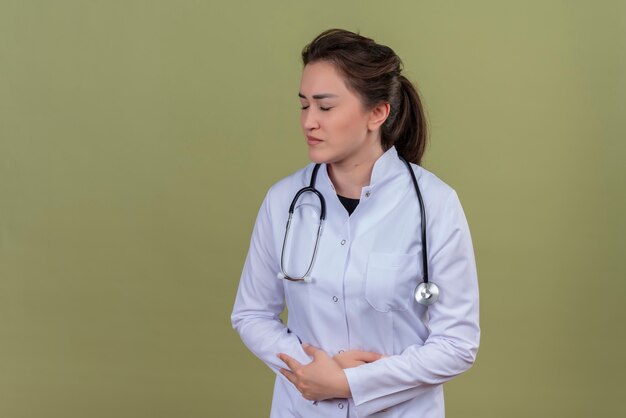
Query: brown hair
[(373, 71)]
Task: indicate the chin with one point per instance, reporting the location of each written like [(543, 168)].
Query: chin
[(319, 156)]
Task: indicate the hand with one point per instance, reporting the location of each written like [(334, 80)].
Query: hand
[(354, 358), (321, 379)]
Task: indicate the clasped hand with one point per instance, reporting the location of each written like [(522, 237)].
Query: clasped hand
[(324, 378)]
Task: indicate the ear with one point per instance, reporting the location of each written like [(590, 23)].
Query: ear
[(378, 116)]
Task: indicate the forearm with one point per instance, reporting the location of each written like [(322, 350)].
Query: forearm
[(266, 336), (395, 379)]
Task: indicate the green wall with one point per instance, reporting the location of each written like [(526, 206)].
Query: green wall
[(137, 139)]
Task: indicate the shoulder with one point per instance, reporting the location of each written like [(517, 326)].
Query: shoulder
[(433, 188), (283, 190), (292, 182), (443, 207)]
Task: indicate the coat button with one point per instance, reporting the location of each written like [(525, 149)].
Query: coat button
[(368, 193), (343, 242), (340, 405), (335, 298)]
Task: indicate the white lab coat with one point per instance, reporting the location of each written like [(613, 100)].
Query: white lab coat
[(367, 267)]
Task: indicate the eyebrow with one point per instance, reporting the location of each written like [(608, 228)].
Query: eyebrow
[(319, 96)]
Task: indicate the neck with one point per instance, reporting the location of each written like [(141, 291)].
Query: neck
[(351, 174)]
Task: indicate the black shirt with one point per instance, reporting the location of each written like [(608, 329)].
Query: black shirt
[(349, 203)]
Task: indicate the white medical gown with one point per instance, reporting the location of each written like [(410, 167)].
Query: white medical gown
[(367, 267)]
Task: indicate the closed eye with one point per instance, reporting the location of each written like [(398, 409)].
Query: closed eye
[(323, 109)]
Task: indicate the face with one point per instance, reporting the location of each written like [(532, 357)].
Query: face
[(335, 123)]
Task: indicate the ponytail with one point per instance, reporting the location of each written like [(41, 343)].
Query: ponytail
[(406, 126)]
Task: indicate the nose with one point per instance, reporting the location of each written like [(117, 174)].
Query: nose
[(309, 120)]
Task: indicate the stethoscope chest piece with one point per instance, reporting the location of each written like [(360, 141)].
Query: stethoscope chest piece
[(426, 293)]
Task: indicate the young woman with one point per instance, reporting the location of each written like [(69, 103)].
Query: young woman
[(362, 339)]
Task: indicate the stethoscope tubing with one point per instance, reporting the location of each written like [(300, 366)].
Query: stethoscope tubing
[(423, 219), (310, 189)]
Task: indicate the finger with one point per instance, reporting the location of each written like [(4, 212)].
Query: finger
[(313, 351), (292, 363), (289, 375), (346, 363), (367, 356)]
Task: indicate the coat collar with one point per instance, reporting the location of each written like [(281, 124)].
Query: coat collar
[(386, 167)]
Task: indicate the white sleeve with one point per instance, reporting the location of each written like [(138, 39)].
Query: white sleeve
[(452, 344), (260, 299)]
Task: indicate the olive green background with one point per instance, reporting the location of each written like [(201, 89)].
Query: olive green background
[(138, 138)]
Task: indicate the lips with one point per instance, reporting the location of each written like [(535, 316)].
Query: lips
[(311, 140)]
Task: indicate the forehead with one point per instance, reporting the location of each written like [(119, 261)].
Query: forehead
[(322, 77)]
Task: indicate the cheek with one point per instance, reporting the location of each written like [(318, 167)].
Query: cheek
[(350, 125)]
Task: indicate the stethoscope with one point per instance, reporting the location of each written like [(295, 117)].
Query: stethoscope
[(426, 293)]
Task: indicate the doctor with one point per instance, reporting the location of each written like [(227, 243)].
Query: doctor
[(357, 344)]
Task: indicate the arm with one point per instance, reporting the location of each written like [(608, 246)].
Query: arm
[(260, 299), (323, 378), (453, 341)]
